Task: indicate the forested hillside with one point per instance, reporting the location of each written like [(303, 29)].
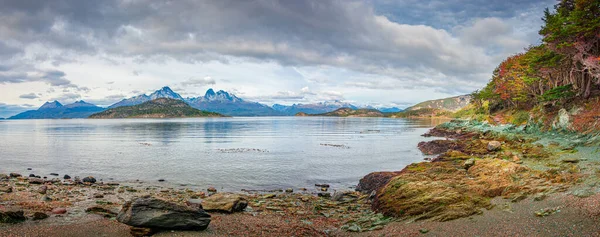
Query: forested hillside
[(559, 77)]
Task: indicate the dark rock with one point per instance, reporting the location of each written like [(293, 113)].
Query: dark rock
[(45, 198), (39, 216), (29, 169), (570, 160), (59, 211), (98, 195), (89, 179), (225, 202), (36, 181), (289, 190), (161, 180), (4, 176), (324, 195), (211, 189), (148, 212), (66, 176), (375, 181), (32, 175), (322, 185), (54, 174), (15, 175), (12, 216)]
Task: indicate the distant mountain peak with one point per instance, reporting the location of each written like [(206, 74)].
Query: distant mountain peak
[(51, 105), (165, 92), (80, 103)]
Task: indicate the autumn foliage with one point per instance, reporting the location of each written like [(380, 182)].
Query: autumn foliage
[(566, 66)]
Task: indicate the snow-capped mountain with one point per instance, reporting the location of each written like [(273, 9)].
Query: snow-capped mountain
[(228, 104), (164, 92)]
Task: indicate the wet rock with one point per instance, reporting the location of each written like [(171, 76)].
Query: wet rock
[(15, 175), (39, 216), (161, 180), (12, 216), (59, 211), (29, 169), (66, 176), (4, 177), (289, 190), (149, 212), (89, 179), (468, 163), (43, 189), (322, 185), (36, 181), (323, 189), (5, 189), (211, 189), (494, 146), (32, 175), (54, 174), (374, 181), (225, 202), (437, 146), (324, 195)]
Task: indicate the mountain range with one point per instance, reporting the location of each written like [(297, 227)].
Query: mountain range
[(157, 108), (55, 110)]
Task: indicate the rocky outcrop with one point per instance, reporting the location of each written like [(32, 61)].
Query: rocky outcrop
[(375, 181), (437, 146), (225, 202), (156, 214)]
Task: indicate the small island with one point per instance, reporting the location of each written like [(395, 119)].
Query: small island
[(347, 112), (158, 108)]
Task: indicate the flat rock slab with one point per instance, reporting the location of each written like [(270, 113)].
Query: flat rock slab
[(149, 212)]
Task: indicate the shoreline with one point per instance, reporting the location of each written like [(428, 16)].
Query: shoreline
[(569, 209)]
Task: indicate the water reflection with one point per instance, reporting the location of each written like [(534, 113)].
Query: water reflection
[(189, 151)]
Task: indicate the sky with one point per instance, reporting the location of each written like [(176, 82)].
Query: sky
[(374, 52)]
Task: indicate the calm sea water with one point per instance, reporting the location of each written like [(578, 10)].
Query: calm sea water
[(228, 153)]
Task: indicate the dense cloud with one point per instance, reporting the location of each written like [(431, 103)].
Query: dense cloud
[(451, 46)]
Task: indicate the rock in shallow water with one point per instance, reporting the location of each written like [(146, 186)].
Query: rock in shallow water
[(225, 202), (89, 179), (149, 212)]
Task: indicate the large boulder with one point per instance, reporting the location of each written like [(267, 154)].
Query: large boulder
[(149, 212), (225, 202)]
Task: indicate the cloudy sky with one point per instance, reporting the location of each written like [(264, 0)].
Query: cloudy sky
[(375, 52)]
